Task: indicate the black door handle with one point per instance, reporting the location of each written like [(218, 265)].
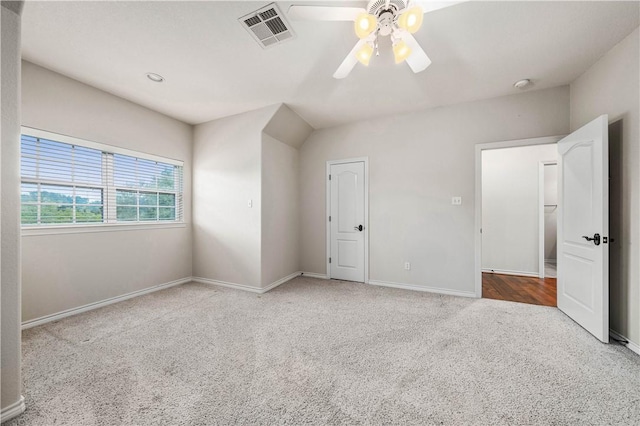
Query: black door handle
[(595, 239), (358, 228)]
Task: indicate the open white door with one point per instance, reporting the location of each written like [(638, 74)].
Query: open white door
[(583, 227)]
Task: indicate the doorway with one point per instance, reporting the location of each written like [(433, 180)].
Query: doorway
[(348, 219), (507, 217), (513, 223), (548, 219)]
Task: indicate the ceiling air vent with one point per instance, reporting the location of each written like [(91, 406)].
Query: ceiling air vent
[(268, 26)]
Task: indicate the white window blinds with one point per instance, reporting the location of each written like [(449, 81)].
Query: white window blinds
[(145, 190), (64, 182)]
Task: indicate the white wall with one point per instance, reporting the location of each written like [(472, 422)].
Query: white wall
[(249, 156), (551, 211), (226, 175), (417, 162), (611, 87), (69, 270), (10, 379), (510, 205), (280, 210)]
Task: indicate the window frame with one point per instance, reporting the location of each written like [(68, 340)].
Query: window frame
[(109, 222)]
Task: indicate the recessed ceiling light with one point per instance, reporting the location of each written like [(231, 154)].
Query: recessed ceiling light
[(157, 78), (522, 84)]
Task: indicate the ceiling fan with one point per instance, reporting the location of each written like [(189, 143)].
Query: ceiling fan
[(397, 19)]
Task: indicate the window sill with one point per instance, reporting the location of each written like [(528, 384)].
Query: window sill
[(102, 227)]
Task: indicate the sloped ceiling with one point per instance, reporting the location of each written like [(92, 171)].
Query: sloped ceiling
[(213, 68), (287, 127)]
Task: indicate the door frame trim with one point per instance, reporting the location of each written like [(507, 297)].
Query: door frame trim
[(330, 163), (478, 199), (541, 213)]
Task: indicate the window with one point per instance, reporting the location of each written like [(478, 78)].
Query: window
[(145, 190), (66, 181)]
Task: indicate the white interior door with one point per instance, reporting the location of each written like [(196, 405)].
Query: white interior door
[(583, 227), (347, 221)]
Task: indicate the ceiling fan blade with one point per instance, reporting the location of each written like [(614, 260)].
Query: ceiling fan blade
[(349, 62), (324, 13), (430, 6), (418, 59)]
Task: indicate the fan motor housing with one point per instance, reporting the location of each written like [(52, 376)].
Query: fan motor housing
[(378, 7), (385, 23), (386, 14)]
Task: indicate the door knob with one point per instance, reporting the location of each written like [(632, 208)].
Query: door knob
[(595, 239), (358, 228)]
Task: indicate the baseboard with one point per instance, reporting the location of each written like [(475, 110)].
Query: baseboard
[(281, 281), (314, 275), (235, 286), (633, 346), (423, 288), (244, 287), (508, 272), (74, 311), (12, 410)]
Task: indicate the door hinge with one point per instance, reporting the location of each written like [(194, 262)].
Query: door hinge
[(329, 260), (329, 218), (329, 177)]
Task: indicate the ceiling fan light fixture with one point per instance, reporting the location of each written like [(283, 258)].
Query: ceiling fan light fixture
[(364, 54), (364, 25), (401, 51), (411, 20)]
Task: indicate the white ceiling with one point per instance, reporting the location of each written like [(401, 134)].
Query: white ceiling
[(213, 68)]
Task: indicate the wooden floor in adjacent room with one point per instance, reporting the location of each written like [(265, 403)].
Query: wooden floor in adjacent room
[(514, 288)]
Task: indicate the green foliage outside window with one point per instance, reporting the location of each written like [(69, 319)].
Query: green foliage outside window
[(58, 208)]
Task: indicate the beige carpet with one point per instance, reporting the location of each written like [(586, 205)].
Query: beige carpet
[(323, 352)]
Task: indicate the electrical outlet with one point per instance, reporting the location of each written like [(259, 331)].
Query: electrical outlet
[(250, 203), (407, 266), (456, 201)]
